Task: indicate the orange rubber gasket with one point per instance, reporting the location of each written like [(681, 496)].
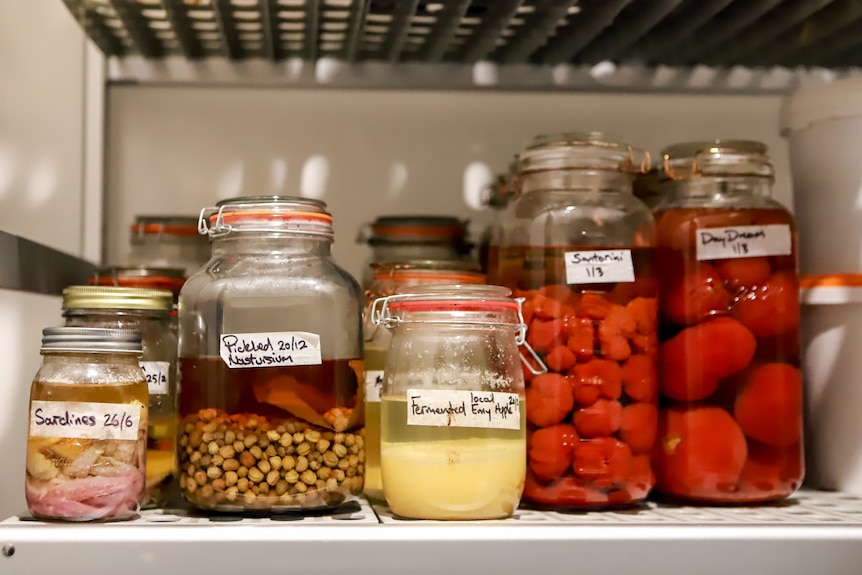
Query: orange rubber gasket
[(272, 215), (166, 229), (453, 305), (834, 280)]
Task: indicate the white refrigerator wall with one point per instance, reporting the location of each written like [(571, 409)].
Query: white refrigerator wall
[(175, 150)]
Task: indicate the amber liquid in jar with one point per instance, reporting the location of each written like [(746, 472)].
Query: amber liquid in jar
[(79, 479), (731, 390), (592, 418), (270, 437)]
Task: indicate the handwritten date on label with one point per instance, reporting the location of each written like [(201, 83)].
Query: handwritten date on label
[(275, 349), (157, 375), (599, 267), (373, 385), (455, 408), (743, 242), (85, 420)]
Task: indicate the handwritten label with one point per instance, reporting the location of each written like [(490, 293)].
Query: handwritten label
[(85, 420), (599, 267), (455, 408), (743, 242), (157, 374), (373, 385), (276, 349)]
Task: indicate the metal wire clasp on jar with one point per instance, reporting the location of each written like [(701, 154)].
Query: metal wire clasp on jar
[(453, 427)]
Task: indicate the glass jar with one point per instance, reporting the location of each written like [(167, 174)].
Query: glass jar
[(388, 278), (403, 238), (171, 279), (148, 311), (271, 404), (453, 429), (86, 446), (731, 422), (577, 245), (168, 242), (500, 193)]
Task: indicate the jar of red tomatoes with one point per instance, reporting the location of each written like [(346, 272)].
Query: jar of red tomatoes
[(730, 427), (578, 246)]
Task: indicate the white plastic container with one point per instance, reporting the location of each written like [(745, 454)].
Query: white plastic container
[(824, 126), (832, 370)]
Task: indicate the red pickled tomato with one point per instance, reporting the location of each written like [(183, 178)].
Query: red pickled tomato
[(618, 322), (561, 293), (527, 309), (602, 373), (593, 306), (547, 308), (560, 358), (742, 272), (769, 406), (604, 460), (640, 379), (600, 419), (552, 451), (549, 398), (639, 426), (700, 451), (585, 392), (565, 491), (693, 361), (645, 313), (641, 477), (543, 335), (770, 308), (695, 296), (771, 470), (582, 338)]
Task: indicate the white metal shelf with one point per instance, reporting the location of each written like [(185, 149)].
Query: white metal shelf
[(815, 532)]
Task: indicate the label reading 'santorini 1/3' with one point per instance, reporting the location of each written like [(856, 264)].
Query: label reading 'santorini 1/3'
[(456, 408), (743, 242), (599, 267), (157, 373), (275, 349), (373, 385), (84, 420)]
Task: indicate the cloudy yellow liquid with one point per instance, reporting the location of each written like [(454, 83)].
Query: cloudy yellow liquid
[(375, 361), (450, 473)]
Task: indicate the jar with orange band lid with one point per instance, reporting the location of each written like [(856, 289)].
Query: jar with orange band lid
[(167, 242), (271, 404), (388, 279)]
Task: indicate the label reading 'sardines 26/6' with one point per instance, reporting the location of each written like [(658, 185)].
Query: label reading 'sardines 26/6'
[(273, 349), (743, 242), (84, 420)]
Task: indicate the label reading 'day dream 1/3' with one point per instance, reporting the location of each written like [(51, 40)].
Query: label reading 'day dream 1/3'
[(275, 349), (743, 242), (157, 373), (373, 385), (455, 408), (84, 420), (599, 267)]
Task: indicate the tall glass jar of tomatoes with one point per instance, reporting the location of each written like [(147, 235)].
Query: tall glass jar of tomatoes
[(577, 245), (730, 426), (270, 401)]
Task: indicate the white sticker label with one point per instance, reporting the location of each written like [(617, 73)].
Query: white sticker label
[(84, 420), (275, 349), (157, 374), (743, 242), (599, 267), (373, 385), (451, 408)]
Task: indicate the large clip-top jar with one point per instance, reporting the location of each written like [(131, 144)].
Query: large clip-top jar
[(389, 278), (86, 447), (731, 426), (271, 362), (577, 245), (453, 429)]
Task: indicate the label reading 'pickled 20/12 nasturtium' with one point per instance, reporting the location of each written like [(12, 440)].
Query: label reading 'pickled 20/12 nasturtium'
[(599, 267), (456, 408), (84, 420), (273, 349), (743, 242)]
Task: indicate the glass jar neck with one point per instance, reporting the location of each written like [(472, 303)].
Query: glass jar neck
[(577, 180), (56, 357), (238, 243), (723, 186)]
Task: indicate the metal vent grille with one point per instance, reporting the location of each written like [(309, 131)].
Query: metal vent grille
[(720, 33)]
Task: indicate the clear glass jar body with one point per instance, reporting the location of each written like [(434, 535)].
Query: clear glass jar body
[(388, 279), (468, 464), (86, 476), (159, 363), (168, 242), (577, 245), (271, 365), (731, 418)]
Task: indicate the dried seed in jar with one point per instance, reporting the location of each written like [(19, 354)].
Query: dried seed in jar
[(312, 436), (332, 483), (250, 440), (238, 446), (351, 471), (263, 443), (227, 451), (230, 465), (271, 451), (229, 437), (184, 441), (231, 493), (298, 437), (290, 428), (275, 463), (339, 450), (285, 440), (330, 459), (281, 452), (354, 449), (264, 466), (323, 445), (195, 456), (281, 487), (291, 476), (314, 465), (343, 464), (263, 489), (205, 460), (288, 462), (230, 478), (301, 464), (272, 477), (219, 485), (324, 473), (339, 474), (189, 428), (242, 484), (354, 460), (200, 477), (273, 435), (242, 471), (303, 448), (359, 441), (247, 459), (255, 451), (338, 438), (218, 460), (214, 472), (207, 491), (255, 475), (207, 437), (301, 487), (251, 423), (349, 440), (249, 497)]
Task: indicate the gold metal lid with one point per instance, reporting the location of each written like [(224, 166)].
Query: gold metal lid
[(124, 298)]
